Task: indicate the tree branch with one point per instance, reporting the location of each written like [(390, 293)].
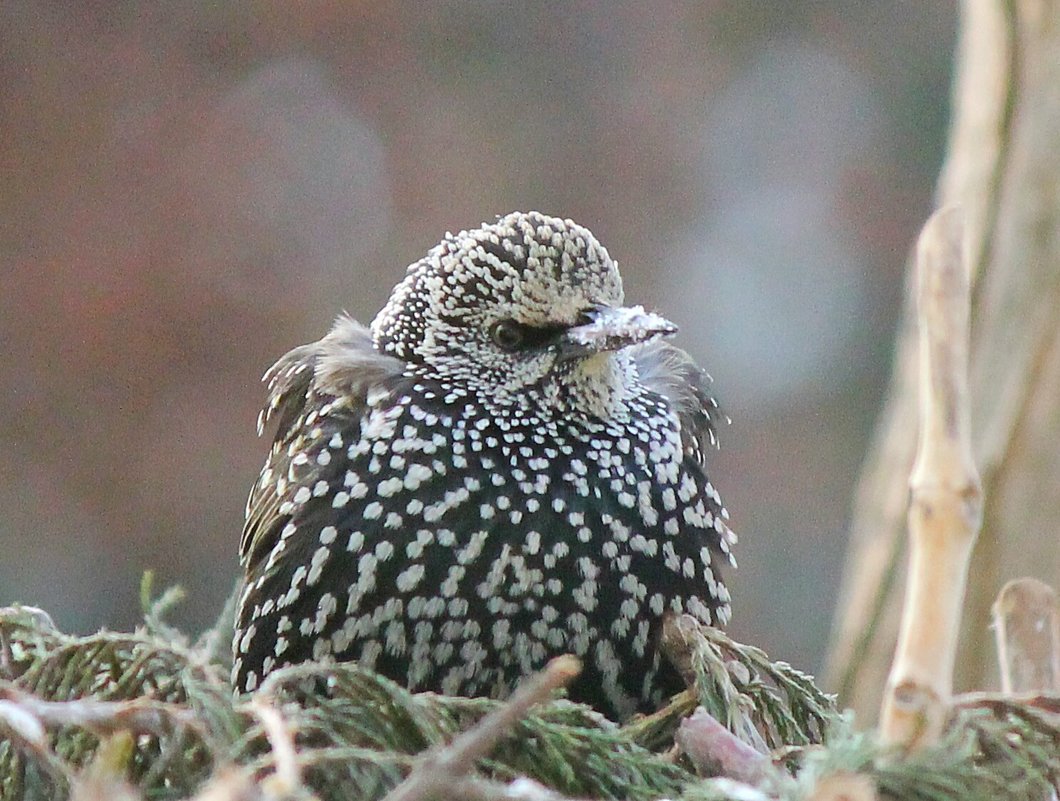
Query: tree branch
[(1027, 628), (945, 509), (439, 771)]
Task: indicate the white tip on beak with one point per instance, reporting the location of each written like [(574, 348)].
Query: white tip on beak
[(616, 328)]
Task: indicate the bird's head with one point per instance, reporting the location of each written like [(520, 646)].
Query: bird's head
[(527, 301)]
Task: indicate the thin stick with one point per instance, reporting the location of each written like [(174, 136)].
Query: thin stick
[(945, 509), (1027, 630), (288, 776), (28, 734), (440, 768), (99, 716), (1046, 703)]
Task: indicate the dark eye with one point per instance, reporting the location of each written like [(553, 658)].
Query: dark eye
[(508, 335)]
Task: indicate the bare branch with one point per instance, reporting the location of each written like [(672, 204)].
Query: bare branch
[(439, 769), (288, 776), (1027, 627), (27, 733), (1003, 168), (945, 509), (1001, 703), (102, 717)]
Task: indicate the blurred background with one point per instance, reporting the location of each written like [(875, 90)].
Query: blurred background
[(191, 189)]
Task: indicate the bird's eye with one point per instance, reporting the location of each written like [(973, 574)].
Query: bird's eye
[(507, 334), (587, 316)]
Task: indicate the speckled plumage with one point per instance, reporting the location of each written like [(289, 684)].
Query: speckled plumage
[(508, 465)]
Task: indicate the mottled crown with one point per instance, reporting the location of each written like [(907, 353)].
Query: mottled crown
[(527, 267)]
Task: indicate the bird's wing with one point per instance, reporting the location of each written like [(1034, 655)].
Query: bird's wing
[(343, 365)]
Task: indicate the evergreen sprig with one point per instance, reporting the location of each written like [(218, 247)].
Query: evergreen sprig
[(158, 714)]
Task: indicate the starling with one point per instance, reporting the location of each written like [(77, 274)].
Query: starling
[(507, 465)]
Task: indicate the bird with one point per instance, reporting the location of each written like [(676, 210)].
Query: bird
[(506, 465)]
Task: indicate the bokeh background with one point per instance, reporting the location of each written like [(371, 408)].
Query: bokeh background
[(190, 189)]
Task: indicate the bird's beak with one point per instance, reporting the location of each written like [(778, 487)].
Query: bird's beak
[(610, 329)]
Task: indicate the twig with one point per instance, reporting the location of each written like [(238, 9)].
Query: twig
[(766, 704), (29, 735), (439, 769), (288, 776), (1003, 703), (101, 717), (655, 730), (1027, 630), (945, 509), (677, 644)]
